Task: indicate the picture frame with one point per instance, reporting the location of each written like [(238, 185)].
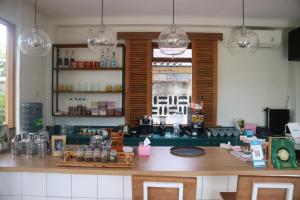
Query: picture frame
[(58, 141)]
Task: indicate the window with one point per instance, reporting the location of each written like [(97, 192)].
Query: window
[(3, 69), (171, 87), (6, 73)]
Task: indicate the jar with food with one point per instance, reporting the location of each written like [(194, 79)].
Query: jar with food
[(105, 155), (113, 156), (88, 156), (81, 153), (97, 155)]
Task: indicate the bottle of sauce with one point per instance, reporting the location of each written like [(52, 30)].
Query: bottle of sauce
[(66, 60), (72, 59), (108, 60), (102, 60), (59, 60), (114, 60)]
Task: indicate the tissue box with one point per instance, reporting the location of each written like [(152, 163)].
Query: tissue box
[(144, 150)]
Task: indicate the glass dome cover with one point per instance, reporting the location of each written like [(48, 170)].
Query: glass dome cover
[(34, 41), (243, 41), (101, 38), (173, 40)]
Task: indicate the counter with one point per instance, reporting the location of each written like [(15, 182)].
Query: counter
[(216, 162)]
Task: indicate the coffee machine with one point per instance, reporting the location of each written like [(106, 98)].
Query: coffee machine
[(146, 126), (195, 119)]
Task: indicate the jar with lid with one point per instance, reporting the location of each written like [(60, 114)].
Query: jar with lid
[(88, 156), (96, 142), (113, 155), (97, 155), (105, 155), (81, 153)]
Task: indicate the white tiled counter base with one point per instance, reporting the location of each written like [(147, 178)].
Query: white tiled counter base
[(51, 186)]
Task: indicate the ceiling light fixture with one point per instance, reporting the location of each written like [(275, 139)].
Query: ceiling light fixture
[(173, 40), (34, 41), (243, 40), (101, 38)]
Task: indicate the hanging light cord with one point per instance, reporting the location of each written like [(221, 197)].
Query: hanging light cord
[(35, 14), (102, 23), (173, 22), (243, 5)]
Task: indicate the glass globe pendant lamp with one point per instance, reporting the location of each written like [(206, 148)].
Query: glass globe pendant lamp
[(243, 40), (34, 41), (173, 40), (101, 38)]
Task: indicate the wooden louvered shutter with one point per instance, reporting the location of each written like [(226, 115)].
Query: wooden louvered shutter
[(204, 73), (138, 77)]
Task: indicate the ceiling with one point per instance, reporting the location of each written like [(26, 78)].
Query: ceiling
[(231, 9)]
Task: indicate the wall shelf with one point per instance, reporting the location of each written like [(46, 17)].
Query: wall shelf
[(60, 100), (91, 92), (89, 69), (90, 116)]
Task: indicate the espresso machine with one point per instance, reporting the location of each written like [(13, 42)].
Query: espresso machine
[(195, 120), (146, 126)]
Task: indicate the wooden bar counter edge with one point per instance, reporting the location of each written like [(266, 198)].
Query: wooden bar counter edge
[(216, 162)]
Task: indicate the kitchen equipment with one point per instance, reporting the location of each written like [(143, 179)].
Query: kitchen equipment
[(146, 126), (276, 119)]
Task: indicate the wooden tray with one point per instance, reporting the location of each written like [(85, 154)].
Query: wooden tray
[(124, 160)]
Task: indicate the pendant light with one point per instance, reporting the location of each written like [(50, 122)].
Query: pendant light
[(101, 38), (173, 40), (34, 41), (243, 40)]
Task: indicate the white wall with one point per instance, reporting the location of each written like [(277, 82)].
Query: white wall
[(30, 72), (246, 84)]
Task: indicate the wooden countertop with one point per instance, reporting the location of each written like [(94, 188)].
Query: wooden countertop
[(215, 162)]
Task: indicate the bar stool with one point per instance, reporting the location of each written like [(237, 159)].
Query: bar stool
[(272, 188), (162, 188)]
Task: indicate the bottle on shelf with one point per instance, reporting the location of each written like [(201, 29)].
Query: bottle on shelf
[(84, 109), (66, 60), (59, 60), (70, 108), (114, 60), (72, 59), (102, 60), (108, 60)]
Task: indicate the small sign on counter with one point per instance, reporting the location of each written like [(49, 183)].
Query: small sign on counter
[(257, 154)]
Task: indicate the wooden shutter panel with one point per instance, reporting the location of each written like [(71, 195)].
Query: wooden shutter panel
[(204, 64), (138, 77)]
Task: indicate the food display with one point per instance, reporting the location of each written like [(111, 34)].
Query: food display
[(104, 150)]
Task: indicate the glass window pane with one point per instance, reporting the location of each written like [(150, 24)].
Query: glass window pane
[(3, 69), (171, 88)]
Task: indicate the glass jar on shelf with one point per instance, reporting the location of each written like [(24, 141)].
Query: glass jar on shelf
[(81, 153), (97, 155), (88, 156)]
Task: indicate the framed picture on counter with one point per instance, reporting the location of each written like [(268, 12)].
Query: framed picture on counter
[(58, 141)]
